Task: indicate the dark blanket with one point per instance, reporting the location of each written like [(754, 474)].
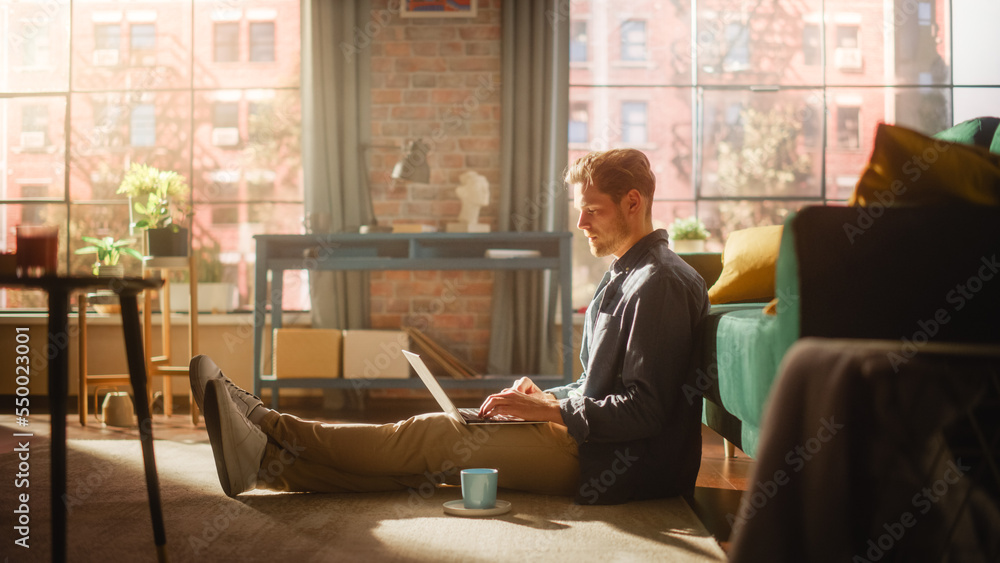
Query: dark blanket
[(868, 454)]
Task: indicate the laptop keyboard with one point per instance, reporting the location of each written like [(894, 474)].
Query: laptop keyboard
[(472, 415)]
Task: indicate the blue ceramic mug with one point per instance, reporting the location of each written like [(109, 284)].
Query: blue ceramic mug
[(479, 488)]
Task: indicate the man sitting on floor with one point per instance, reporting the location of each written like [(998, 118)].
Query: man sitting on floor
[(623, 431)]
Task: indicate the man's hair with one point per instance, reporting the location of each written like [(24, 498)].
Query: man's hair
[(614, 173)]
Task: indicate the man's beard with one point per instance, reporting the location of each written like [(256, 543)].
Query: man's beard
[(610, 241)]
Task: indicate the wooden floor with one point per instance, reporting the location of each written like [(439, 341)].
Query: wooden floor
[(721, 480)]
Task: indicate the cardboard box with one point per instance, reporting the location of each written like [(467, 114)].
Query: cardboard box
[(373, 354), (307, 352)]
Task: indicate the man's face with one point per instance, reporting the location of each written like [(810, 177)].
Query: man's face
[(602, 221)]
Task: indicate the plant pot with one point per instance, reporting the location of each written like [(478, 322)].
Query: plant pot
[(166, 242), (116, 271), (689, 246)]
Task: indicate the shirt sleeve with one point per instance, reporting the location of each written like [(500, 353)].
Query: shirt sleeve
[(640, 358), (570, 390)]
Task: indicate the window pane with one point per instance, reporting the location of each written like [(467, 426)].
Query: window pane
[(977, 46), (976, 102), (755, 144), (262, 41), (613, 37), (157, 55), (227, 42), (102, 143), (272, 130), (854, 114), (747, 43), (914, 51), (35, 148), (34, 46)]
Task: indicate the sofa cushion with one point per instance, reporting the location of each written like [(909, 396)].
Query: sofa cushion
[(909, 168), (748, 266)]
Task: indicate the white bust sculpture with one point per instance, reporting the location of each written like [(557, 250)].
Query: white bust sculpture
[(474, 191)]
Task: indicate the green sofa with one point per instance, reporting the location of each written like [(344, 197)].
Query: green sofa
[(919, 275)]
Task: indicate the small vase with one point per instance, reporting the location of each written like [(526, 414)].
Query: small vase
[(689, 246)]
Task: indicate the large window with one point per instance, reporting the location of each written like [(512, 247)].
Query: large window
[(175, 84), (750, 110)]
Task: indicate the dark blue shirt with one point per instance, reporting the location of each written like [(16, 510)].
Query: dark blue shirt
[(638, 434)]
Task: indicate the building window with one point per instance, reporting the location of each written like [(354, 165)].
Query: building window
[(737, 53), (634, 128), (848, 127), (142, 126), (811, 49), (225, 124), (633, 40), (34, 126), (142, 44), (261, 42), (847, 55), (579, 123), (107, 44), (36, 48), (578, 41), (227, 42)]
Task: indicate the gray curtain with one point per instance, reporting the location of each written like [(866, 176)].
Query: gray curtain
[(535, 96), (335, 126)]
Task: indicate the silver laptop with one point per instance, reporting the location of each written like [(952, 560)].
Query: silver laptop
[(465, 416)]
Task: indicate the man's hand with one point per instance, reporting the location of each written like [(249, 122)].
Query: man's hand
[(524, 400)]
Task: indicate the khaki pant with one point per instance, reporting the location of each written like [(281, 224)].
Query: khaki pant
[(309, 456)]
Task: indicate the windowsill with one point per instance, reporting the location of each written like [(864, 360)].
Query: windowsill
[(239, 318)]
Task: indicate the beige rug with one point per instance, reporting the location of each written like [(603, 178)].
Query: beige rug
[(109, 519)]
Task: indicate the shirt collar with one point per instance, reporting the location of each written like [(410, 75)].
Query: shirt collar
[(633, 255)]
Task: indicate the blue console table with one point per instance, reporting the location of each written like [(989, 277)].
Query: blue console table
[(398, 251)]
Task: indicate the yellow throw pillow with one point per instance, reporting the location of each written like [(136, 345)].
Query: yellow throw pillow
[(908, 168), (748, 264)]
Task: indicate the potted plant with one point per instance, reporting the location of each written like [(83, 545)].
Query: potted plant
[(158, 197), (109, 251), (688, 235)]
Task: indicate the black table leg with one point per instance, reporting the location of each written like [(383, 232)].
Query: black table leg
[(58, 341), (137, 373)]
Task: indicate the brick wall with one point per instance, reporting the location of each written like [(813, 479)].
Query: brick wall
[(437, 79)]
